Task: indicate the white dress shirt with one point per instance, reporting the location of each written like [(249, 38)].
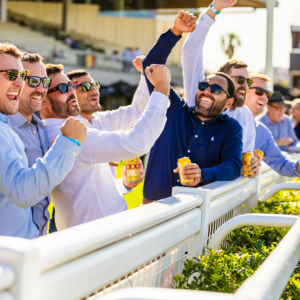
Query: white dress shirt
[(193, 73), (90, 191)]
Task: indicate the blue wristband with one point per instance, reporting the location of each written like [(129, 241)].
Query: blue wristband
[(211, 6), (74, 141), (126, 187)]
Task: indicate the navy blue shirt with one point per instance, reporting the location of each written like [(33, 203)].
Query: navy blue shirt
[(215, 145)]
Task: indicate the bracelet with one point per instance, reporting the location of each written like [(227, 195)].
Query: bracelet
[(74, 141), (211, 6), (128, 189)]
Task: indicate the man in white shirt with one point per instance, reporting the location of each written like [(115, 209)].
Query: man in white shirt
[(193, 73), (89, 191)]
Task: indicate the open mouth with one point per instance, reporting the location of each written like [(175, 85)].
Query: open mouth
[(12, 96), (94, 99), (37, 98), (241, 93), (206, 102), (260, 103)]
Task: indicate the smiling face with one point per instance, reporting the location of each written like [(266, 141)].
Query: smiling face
[(88, 101), (58, 105), (209, 105), (32, 98), (240, 89), (256, 103), (10, 90), (276, 112)]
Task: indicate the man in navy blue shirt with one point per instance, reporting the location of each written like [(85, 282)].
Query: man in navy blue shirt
[(211, 140)]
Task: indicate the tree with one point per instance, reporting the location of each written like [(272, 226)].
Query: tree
[(229, 44)]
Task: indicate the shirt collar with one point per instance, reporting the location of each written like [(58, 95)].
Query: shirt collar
[(4, 118), (53, 121), (20, 120), (266, 119)]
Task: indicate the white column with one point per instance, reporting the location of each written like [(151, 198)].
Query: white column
[(3, 10), (269, 54)]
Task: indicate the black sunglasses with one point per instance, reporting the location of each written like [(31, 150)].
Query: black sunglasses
[(260, 91), (13, 74), (64, 87), (215, 88), (86, 86), (35, 81), (241, 80)]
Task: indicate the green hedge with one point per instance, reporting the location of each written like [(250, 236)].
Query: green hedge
[(226, 269)]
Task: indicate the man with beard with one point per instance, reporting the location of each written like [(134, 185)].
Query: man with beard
[(256, 100), (211, 140), (22, 187), (90, 191), (193, 73)]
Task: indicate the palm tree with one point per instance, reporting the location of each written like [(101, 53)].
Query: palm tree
[(229, 45)]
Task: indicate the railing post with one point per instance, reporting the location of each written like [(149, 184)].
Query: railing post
[(199, 241), (23, 258)]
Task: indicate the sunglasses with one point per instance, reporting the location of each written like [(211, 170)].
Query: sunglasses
[(13, 74), (86, 86), (279, 108), (35, 81), (64, 87), (215, 88), (241, 80), (260, 91)]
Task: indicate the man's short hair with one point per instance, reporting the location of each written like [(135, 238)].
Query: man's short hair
[(77, 73), (52, 69), (233, 63), (260, 76), (32, 57), (230, 84), (7, 48)]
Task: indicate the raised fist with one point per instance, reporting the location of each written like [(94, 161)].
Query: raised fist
[(74, 129), (160, 77), (184, 22), (138, 63)]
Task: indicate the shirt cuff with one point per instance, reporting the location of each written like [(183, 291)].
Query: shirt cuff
[(205, 21), (66, 147), (122, 188)]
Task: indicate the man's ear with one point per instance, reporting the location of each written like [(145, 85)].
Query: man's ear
[(229, 103), (46, 102)]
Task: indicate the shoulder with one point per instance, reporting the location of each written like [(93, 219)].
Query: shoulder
[(247, 112), (287, 119), (231, 123), (262, 129)]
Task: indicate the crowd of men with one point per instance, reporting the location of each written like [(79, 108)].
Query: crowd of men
[(65, 156)]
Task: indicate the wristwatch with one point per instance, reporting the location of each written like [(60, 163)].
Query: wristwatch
[(211, 6)]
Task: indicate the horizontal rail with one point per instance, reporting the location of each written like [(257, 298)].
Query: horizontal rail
[(64, 246), (7, 277), (270, 279), (265, 220), (280, 187), (165, 294)]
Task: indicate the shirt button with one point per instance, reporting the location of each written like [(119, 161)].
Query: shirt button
[(178, 180), (64, 174), (34, 132), (202, 123), (189, 151), (196, 136), (75, 153), (4, 120)]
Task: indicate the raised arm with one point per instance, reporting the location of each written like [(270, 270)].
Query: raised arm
[(27, 186), (192, 51), (101, 146)]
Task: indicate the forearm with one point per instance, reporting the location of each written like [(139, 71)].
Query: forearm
[(121, 187), (26, 187), (192, 58), (101, 146)]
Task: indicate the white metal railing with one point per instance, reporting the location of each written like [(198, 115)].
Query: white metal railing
[(143, 247)]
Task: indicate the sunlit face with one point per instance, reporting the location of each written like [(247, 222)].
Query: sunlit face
[(32, 98), (240, 89), (62, 105), (208, 104), (276, 112), (255, 102), (88, 101), (10, 90)]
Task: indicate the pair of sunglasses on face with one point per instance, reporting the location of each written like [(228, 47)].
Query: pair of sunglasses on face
[(35, 81), (64, 87), (260, 91), (242, 79), (215, 88), (12, 74)]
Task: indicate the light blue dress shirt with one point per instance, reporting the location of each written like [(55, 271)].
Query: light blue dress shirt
[(36, 143), (284, 128), (265, 142), (22, 187)]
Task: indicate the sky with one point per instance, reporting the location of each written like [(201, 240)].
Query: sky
[(251, 29)]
